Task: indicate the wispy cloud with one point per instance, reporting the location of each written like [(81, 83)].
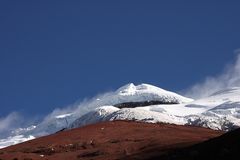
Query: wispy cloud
[(10, 122), (45, 125), (230, 77), (49, 125)]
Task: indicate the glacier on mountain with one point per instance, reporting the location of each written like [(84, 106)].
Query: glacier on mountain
[(219, 111)]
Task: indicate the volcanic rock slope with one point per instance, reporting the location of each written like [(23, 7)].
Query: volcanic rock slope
[(110, 141)]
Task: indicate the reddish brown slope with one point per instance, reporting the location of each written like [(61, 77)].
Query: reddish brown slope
[(109, 140)]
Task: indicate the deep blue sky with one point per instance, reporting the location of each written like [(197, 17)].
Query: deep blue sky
[(54, 53)]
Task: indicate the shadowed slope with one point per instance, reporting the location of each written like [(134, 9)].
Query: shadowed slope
[(225, 147)]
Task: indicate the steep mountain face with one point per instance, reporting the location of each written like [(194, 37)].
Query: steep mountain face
[(147, 103), (99, 114), (123, 104)]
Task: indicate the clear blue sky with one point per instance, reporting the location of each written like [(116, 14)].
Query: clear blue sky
[(54, 53)]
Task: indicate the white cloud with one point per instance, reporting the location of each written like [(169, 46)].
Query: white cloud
[(11, 121), (230, 77)]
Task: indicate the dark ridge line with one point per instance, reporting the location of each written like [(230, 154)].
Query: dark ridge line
[(141, 104)]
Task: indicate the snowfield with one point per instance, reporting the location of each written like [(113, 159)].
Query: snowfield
[(14, 140), (219, 111)]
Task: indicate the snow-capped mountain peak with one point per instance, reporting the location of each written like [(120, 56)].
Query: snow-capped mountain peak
[(127, 89), (147, 92)]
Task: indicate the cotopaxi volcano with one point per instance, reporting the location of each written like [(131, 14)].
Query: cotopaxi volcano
[(145, 103)]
